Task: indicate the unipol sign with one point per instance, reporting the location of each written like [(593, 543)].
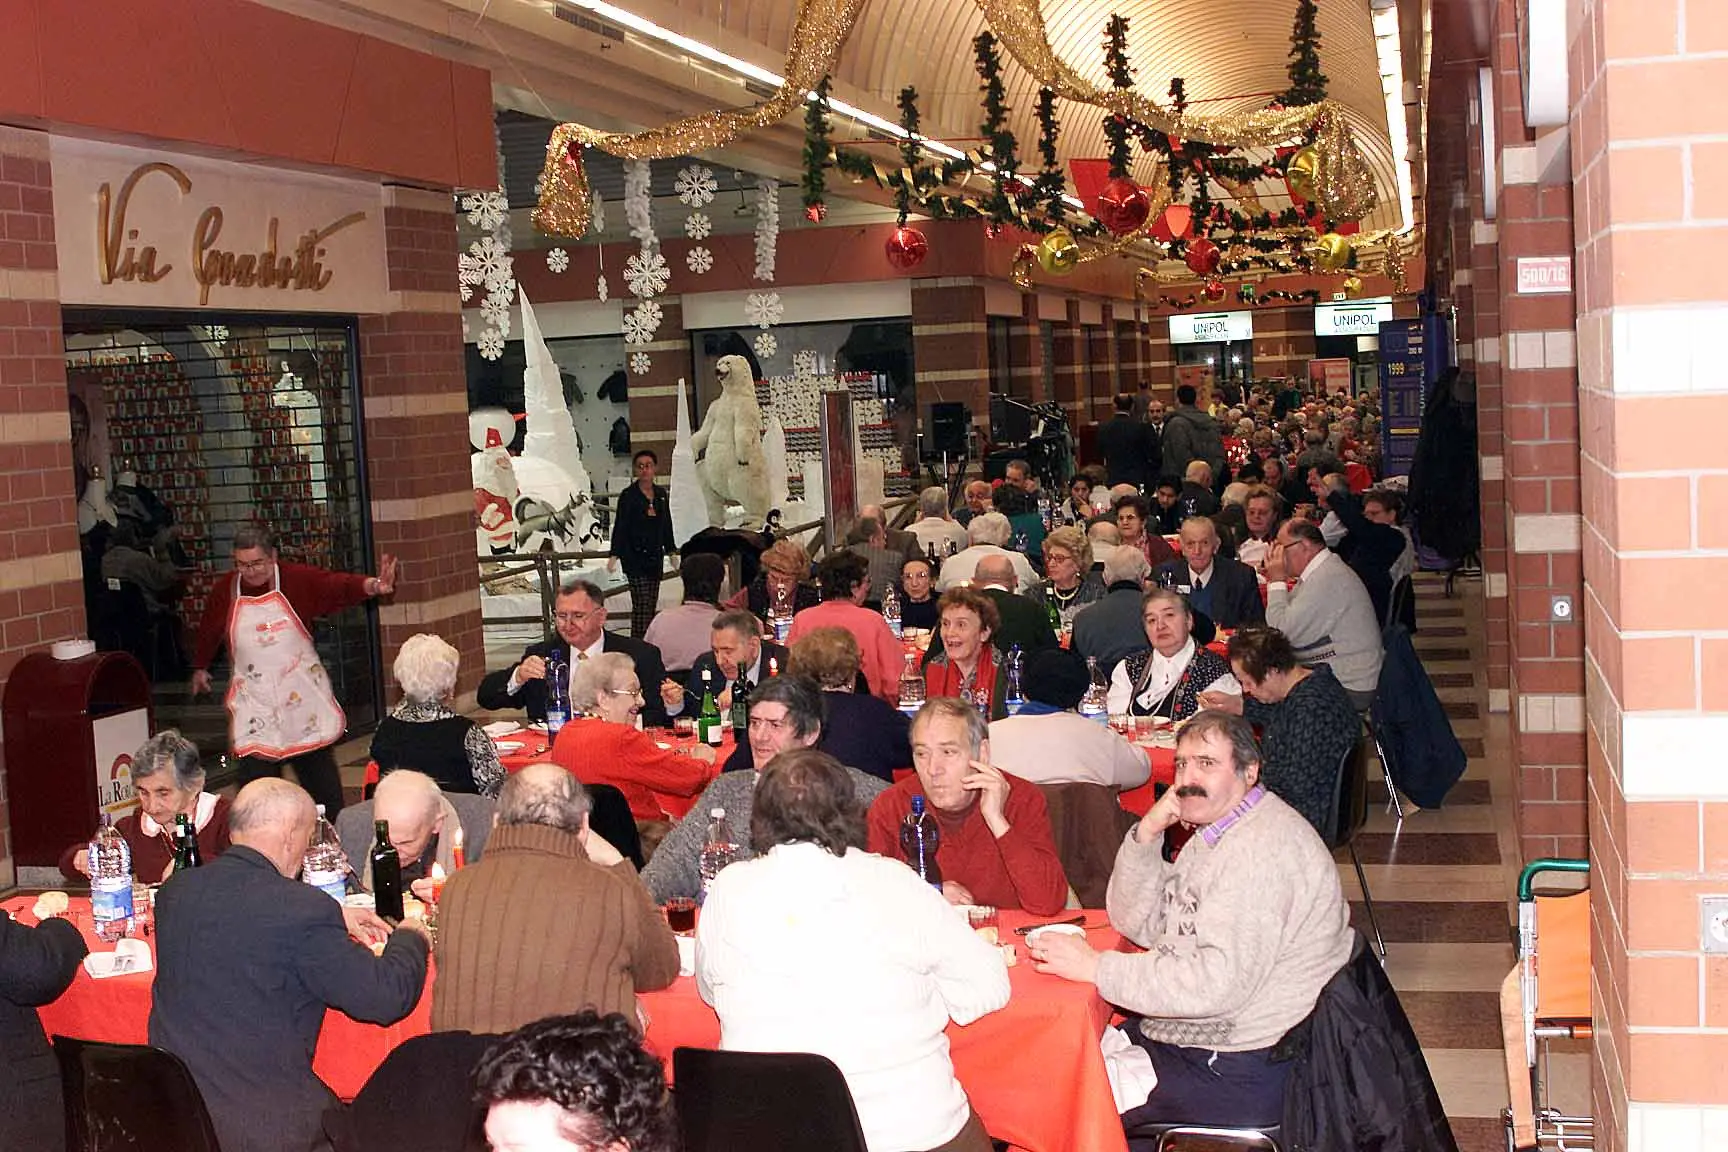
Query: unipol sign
[(1212, 328), (1359, 318)]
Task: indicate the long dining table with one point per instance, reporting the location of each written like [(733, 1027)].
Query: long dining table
[(1033, 1070)]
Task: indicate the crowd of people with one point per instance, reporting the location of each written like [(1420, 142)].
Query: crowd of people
[(1033, 602)]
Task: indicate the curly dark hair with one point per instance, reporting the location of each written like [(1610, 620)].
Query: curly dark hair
[(806, 795), (1012, 501), (840, 573), (1260, 651), (594, 1067), (985, 608)]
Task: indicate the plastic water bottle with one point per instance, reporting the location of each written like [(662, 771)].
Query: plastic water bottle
[(110, 866), (718, 848), (911, 686), (1015, 700), (1045, 509), (891, 610), (325, 866), (1095, 705), (557, 696), (919, 839)]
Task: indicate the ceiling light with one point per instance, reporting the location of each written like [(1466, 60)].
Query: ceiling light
[(1388, 46)]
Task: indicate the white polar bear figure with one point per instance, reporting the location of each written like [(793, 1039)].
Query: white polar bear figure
[(728, 447)]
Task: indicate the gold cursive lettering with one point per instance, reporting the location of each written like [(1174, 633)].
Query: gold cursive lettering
[(111, 231)]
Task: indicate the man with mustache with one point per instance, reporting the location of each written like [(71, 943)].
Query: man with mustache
[(1236, 898)]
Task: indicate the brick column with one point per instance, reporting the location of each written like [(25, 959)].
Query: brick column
[(41, 579), (1158, 358), (1129, 348), (951, 346), (415, 395), (1069, 353), (1284, 342), (1026, 350), (1650, 178), (1103, 380)]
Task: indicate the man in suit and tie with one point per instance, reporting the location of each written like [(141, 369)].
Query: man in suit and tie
[(579, 615), (1227, 591), (737, 651)]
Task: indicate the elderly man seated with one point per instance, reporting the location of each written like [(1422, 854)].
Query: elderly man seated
[(168, 780), (990, 534), (423, 821), (1236, 900), (934, 526), (977, 502), (553, 920), (785, 713), (1329, 617), (996, 845), (1048, 742), (1225, 590), (1167, 678), (1111, 628), (736, 652)]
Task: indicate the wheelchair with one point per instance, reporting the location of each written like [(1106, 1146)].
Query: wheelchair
[(1545, 998)]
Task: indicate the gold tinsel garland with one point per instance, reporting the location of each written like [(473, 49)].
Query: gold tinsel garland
[(1344, 185)]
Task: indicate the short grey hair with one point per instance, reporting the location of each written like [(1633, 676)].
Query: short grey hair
[(598, 673), (254, 536), (954, 708), (409, 785), (587, 587), (1158, 594), (1126, 563), (1236, 492), (266, 802), (933, 502), (990, 528), (168, 751), (544, 794), (1198, 472), (1103, 531), (426, 668), (737, 620)]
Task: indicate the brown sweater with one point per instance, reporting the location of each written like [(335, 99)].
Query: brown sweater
[(535, 929)]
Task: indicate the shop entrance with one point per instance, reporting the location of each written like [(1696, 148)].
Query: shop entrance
[(183, 430)]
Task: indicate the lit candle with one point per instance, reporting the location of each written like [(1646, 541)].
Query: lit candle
[(773, 666), (437, 881), (456, 859)]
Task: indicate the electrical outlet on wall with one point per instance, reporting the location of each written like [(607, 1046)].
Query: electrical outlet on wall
[(1714, 929)]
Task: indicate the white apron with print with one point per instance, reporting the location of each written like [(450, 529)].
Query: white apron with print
[(279, 699)]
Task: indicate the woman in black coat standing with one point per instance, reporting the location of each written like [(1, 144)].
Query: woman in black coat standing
[(642, 539), (36, 966)]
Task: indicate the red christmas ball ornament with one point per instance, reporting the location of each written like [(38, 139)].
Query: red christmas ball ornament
[(907, 248), (1203, 257), (1214, 291), (1122, 206), (815, 213)]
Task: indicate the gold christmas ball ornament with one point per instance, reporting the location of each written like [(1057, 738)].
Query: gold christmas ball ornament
[(1331, 252), (1352, 286), (1302, 172), (1058, 253)]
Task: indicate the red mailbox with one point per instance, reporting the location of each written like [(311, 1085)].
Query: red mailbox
[(71, 729)]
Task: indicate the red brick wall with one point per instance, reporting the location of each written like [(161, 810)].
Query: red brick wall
[(951, 347), (41, 590)]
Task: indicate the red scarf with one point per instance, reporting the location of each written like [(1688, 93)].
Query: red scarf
[(946, 678)]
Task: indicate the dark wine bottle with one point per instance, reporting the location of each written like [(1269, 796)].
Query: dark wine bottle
[(386, 873)]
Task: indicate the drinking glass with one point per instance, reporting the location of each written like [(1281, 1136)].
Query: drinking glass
[(681, 915)]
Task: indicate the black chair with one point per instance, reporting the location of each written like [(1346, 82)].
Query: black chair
[(130, 1098), (1350, 813), (611, 818), (419, 1100), (1156, 1137), (750, 1101)]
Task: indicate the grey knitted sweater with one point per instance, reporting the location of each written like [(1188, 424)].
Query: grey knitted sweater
[(1241, 935)]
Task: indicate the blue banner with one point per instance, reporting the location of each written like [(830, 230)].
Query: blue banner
[(1405, 351)]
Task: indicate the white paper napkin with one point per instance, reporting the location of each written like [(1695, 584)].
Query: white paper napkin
[(1129, 1068), (501, 728), (129, 957), (686, 955)]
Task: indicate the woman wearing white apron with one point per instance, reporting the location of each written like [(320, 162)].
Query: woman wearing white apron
[(281, 709)]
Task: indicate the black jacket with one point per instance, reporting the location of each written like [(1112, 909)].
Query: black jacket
[(1189, 435), (707, 663), (1445, 486), (1234, 591), (642, 532), (1423, 756), (247, 962), (1130, 451), (859, 730), (494, 692), (1359, 1080), (1370, 549), (1111, 628), (36, 966)]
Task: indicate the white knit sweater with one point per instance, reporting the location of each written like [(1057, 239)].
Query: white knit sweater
[(1241, 935)]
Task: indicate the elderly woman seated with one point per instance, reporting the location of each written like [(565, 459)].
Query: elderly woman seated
[(1168, 678), (1069, 582), (784, 579), (604, 746), (861, 731), (966, 666), (168, 781), (422, 732)]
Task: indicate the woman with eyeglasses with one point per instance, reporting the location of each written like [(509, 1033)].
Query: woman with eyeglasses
[(603, 745)]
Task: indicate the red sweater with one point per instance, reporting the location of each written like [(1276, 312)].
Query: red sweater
[(313, 592), (1019, 870), (599, 752)]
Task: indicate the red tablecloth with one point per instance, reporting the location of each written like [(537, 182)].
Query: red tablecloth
[(1032, 1070)]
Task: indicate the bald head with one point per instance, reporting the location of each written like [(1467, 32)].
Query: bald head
[(544, 794), (273, 818), (996, 570)]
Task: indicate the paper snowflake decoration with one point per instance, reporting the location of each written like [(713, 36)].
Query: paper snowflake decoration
[(465, 290), (764, 309), (697, 225), (696, 185), (487, 210), (647, 274), (767, 228), (766, 345), (495, 310), (699, 259), (490, 265), (558, 260), (804, 364), (641, 322), (639, 363), (600, 288), (597, 213), (216, 333), (491, 344)]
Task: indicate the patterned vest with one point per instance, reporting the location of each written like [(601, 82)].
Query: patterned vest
[(1184, 699)]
